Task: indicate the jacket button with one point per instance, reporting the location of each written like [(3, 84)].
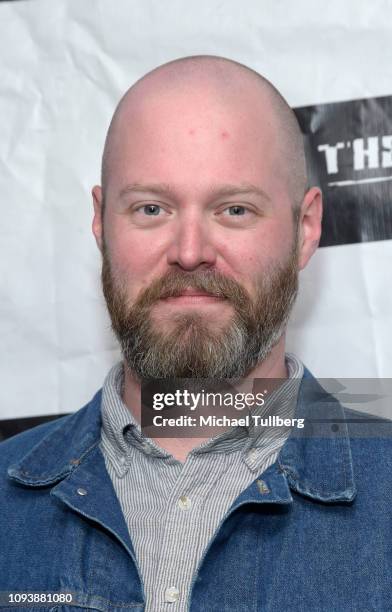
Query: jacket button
[(263, 489), (81, 491)]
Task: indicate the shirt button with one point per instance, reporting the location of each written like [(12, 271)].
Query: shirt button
[(252, 455), (81, 491), (184, 502), (172, 594)]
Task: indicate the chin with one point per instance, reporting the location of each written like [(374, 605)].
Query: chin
[(185, 323)]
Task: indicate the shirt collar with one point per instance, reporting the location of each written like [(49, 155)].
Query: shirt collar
[(315, 460), (120, 428)]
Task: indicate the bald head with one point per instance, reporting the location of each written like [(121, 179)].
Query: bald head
[(205, 81)]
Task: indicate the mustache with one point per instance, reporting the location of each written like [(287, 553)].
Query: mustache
[(174, 284)]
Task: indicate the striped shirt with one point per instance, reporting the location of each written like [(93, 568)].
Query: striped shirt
[(172, 509)]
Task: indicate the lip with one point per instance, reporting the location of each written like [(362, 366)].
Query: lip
[(195, 292), (193, 296)]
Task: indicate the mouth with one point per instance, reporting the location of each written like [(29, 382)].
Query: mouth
[(193, 296)]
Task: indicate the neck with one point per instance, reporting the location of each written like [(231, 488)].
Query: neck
[(273, 366)]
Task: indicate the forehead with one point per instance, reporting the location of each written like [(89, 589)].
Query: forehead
[(202, 103), (189, 133)]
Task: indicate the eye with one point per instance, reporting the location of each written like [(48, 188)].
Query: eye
[(238, 215), (149, 214), (236, 210), (151, 210)]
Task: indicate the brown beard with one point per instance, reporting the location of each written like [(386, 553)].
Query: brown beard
[(192, 348)]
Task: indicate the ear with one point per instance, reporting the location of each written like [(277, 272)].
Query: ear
[(97, 225), (310, 225)]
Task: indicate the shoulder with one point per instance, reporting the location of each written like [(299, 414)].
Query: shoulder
[(63, 430), (365, 431), (370, 439), (21, 443)]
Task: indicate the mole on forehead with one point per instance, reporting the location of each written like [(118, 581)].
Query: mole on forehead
[(224, 134)]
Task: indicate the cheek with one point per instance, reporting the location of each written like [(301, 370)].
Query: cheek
[(252, 258), (125, 247), (128, 263), (248, 255), (135, 261)]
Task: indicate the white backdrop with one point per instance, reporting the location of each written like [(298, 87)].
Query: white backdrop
[(64, 65)]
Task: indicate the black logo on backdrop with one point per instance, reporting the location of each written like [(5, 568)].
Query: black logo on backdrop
[(349, 153)]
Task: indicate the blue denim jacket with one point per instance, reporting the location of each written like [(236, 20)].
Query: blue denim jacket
[(313, 534)]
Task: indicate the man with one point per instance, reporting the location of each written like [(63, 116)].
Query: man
[(204, 219)]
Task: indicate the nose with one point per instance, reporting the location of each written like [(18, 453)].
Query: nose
[(191, 245)]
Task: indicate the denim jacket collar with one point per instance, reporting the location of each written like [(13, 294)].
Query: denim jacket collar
[(315, 460), (63, 449)]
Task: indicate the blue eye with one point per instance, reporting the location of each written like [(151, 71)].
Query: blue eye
[(238, 210), (151, 210)]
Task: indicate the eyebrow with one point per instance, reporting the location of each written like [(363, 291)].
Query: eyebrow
[(167, 190)]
